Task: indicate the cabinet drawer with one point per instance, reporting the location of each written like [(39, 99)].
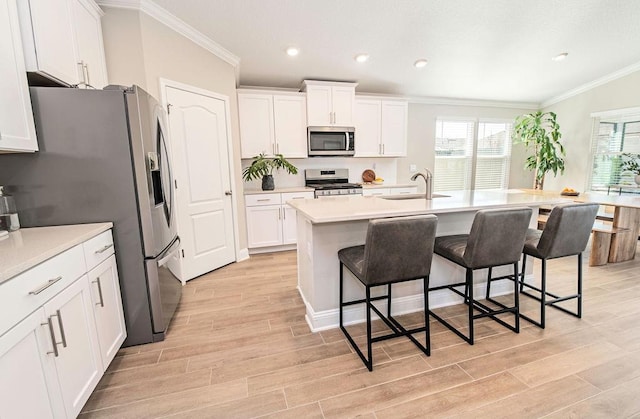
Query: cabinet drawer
[(405, 190), (24, 293), (262, 199), (98, 249), (288, 196)]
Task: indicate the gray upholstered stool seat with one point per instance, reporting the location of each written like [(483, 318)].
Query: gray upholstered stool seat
[(566, 233), (496, 239), (396, 250)]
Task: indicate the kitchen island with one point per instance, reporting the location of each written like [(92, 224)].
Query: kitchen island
[(327, 225)]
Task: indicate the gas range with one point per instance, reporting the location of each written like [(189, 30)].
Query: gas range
[(331, 182)]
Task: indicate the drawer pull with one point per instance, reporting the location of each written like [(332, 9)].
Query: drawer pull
[(104, 249), (53, 338), (45, 286), (264, 200), (97, 281)]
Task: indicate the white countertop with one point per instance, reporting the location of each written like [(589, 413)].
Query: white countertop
[(349, 208), (27, 247), (390, 185), (278, 190)]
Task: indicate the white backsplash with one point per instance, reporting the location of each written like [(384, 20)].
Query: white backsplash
[(385, 168)]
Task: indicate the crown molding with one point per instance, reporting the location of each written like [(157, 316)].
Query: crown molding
[(472, 102), (163, 16), (593, 84)]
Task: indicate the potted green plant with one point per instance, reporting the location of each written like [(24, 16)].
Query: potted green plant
[(540, 133), (630, 163), (263, 167)]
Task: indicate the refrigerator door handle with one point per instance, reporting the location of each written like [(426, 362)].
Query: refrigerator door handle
[(169, 254)]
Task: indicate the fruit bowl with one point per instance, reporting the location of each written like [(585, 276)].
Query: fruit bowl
[(569, 193)]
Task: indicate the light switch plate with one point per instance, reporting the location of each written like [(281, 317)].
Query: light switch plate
[(412, 168)]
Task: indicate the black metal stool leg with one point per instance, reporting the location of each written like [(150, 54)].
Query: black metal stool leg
[(516, 297), (469, 288), (543, 294), (524, 267), (369, 351), (489, 283), (388, 300), (580, 285), (341, 294), (427, 330)]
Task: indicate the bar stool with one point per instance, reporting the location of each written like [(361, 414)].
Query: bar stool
[(496, 239), (565, 234), (396, 250)]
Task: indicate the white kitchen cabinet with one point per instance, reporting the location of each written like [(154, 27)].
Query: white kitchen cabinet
[(272, 124), (28, 386), (270, 221), (51, 331), (107, 307), (381, 127), (90, 46), (78, 363), (376, 191), (62, 40), (17, 129), (329, 103), (392, 190)]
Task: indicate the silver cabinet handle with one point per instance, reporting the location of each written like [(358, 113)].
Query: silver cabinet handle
[(81, 64), (264, 200), (277, 148), (382, 148), (45, 286), (86, 71), (103, 249), (97, 281), (61, 326), (228, 193), (53, 338), (279, 213), (284, 213)]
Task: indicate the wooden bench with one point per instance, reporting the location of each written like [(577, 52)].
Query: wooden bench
[(602, 235)]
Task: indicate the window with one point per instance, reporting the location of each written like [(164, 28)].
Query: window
[(614, 133), (472, 155)]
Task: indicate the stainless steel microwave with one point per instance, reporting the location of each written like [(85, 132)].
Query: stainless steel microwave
[(331, 141)]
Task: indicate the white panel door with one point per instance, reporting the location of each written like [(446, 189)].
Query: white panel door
[(367, 123), (256, 125), (290, 122), (17, 131), (394, 128), (198, 127), (343, 98), (28, 386), (107, 306), (264, 225), (78, 363), (319, 107), (88, 31)]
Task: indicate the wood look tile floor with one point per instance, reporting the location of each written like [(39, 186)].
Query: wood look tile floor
[(239, 347)]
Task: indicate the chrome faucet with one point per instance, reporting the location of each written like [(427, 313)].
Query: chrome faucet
[(428, 180)]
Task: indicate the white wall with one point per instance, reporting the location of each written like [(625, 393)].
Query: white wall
[(576, 125)]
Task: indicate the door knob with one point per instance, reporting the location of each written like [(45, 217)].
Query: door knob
[(228, 193)]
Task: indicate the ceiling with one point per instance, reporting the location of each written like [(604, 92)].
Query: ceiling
[(489, 50)]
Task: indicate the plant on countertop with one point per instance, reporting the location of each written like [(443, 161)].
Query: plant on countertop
[(540, 131), (263, 167)]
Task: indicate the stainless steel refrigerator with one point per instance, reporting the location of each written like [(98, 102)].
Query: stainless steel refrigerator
[(104, 157)]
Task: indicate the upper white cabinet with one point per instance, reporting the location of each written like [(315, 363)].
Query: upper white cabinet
[(329, 103), (272, 124), (17, 130), (62, 40), (381, 127)]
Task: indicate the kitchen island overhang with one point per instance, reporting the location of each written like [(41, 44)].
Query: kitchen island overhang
[(327, 225)]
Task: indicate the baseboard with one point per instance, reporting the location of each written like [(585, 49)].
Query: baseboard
[(243, 254), (330, 319), (269, 249)]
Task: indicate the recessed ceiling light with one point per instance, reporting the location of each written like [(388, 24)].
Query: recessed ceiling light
[(560, 57), (420, 63), (362, 58), (292, 51)]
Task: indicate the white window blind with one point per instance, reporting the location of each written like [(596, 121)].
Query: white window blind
[(493, 155), (470, 158), (614, 133), (454, 154)]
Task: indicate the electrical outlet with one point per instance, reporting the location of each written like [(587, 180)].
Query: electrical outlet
[(373, 166), (412, 168)]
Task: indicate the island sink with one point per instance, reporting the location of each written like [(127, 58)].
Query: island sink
[(413, 196)]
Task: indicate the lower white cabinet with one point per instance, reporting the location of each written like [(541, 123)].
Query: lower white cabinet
[(270, 221), (403, 190), (65, 327)]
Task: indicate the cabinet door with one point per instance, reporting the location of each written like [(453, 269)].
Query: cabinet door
[(290, 121), (376, 191), (342, 100), (393, 128), (78, 363), (264, 225), (17, 130), (256, 125), (367, 123), (107, 306), (28, 387), (48, 38), (88, 34), (289, 232), (319, 105)]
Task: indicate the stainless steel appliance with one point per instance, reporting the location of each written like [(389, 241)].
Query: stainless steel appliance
[(104, 157), (330, 141), (331, 182)]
